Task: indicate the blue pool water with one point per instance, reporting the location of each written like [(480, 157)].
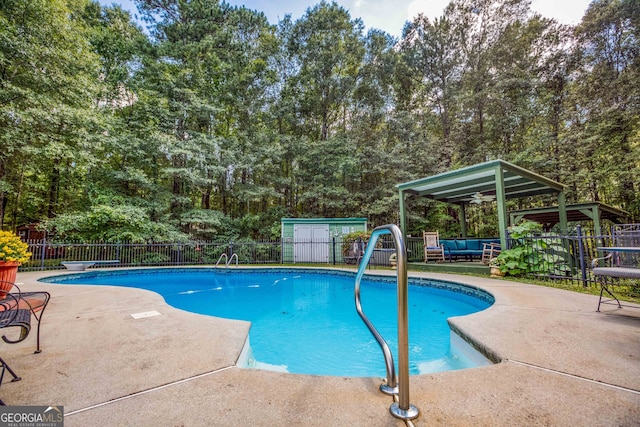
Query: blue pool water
[(304, 321)]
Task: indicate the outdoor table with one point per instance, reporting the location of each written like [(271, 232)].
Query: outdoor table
[(615, 271), (619, 248)]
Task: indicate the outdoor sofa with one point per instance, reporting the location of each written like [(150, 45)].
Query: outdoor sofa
[(467, 249)]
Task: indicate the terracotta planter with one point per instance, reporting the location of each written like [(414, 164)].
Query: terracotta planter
[(8, 272), (495, 272)]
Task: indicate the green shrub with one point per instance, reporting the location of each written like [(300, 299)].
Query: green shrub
[(348, 239), (152, 258), (543, 256)]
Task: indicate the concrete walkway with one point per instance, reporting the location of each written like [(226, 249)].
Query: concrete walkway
[(561, 364)]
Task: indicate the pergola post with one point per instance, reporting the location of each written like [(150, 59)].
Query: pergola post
[(596, 220), (463, 221), (562, 212), (501, 199), (403, 217)]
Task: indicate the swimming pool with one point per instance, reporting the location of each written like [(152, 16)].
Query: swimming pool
[(304, 321)]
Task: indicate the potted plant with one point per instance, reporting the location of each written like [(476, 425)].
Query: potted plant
[(495, 264), (13, 252), (393, 260)]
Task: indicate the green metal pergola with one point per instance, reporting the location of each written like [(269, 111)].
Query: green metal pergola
[(497, 178), (580, 212)]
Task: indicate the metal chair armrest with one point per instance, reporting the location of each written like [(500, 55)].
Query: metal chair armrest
[(594, 262)]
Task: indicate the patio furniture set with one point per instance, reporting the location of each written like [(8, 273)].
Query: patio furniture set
[(454, 249)]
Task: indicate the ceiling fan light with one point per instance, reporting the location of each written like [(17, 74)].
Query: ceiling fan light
[(479, 198)]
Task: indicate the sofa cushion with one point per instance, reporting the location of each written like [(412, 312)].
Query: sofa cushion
[(461, 245), (448, 245), (474, 245)]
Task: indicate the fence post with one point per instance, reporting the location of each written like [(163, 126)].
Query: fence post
[(334, 250), (42, 250), (583, 268)]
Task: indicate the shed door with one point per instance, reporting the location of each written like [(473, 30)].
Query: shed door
[(311, 242)]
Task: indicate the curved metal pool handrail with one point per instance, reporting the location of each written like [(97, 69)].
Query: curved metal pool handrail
[(224, 255), (402, 409), (391, 386), (231, 259)]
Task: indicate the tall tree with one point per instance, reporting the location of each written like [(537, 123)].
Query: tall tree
[(432, 52), (327, 47), (48, 84), (606, 114), (481, 27), (211, 58)]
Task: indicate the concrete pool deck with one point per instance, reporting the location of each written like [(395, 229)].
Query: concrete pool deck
[(562, 363)]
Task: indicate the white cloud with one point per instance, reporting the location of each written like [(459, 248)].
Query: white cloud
[(380, 14), (390, 16), (431, 8), (564, 11)]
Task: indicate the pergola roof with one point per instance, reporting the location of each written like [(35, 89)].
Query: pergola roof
[(474, 183), (459, 186), (578, 212)]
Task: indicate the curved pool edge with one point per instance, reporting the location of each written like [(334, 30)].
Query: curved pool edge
[(383, 275), (478, 346), (446, 284)]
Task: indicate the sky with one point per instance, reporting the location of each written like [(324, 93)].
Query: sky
[(388, 15)]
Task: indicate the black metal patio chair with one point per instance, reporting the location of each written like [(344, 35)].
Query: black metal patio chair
[(14, 317), (35, 302)]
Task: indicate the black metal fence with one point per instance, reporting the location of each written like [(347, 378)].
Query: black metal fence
[(553, 257), (49, 255), (569, 258)]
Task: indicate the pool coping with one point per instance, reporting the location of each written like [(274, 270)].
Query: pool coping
[(465, 290), (560, 363)]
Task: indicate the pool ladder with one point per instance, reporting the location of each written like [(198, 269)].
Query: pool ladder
[(228, 260), (402, 408)]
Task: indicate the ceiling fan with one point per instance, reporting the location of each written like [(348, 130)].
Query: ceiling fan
[(479, 198)]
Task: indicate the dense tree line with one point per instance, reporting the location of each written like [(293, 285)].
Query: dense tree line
[(215, 124)]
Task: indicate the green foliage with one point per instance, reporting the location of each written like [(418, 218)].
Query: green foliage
[(251, 252), (203, 224), (104, 223), (48, 82), (151, 258), (349, 238), (220, 124), (531, 256)]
